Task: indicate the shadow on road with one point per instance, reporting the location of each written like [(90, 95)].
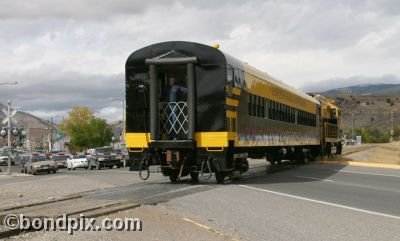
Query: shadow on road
[(289, 172)]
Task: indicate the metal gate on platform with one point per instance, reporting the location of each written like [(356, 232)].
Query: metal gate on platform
[(174, 120)]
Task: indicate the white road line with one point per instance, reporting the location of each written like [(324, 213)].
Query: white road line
[(323, 202), (368, 173), (355, 172), (351, 184), (314, 178), (209, 229)]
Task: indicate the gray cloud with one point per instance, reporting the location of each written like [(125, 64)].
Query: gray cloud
[(73, 52), (351, 81), (53, 90), (87, 9)]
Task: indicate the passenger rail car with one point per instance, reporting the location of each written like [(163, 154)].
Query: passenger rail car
[(192, 108)]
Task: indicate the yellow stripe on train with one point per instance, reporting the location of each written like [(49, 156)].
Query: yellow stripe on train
[(140, 141), (232, 102)]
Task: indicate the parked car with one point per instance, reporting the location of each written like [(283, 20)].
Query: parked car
[(77, 161), (60, 159), (24, 158), (39, 163), (4, 161), (103, 157), (122, 153)]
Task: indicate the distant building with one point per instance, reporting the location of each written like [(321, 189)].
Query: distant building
[(117, 129)]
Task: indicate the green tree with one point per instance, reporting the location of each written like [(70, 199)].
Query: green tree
[(372, 135), (396, 133), (85, 130)]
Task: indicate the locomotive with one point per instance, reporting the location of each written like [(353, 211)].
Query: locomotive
[(223, 112)]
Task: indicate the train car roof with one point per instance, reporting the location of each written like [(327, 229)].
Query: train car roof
[(264, 76), (205, 54), (279, 83)]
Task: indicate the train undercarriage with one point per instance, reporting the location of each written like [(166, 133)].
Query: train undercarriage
[(230, 163)]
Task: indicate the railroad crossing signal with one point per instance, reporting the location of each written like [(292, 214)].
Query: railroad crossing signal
[(5, 120)]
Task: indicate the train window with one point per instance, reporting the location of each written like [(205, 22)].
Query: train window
[(272, 110), (286, 118), (230, 75), (283, 112), (293, 115), (300, 117), (288, 113), (262, 108), (233, 127), (307, 118), (249, 104), (258, 106), (276, 111), (254, 106)]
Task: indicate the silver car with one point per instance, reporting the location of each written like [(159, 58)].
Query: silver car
[(39, 164)]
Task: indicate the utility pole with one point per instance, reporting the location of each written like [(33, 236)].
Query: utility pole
[(9, 137), (123, 123), (352, 126), (392, 129), (51, 135)]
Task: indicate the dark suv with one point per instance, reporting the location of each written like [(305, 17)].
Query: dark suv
[(103, 157)]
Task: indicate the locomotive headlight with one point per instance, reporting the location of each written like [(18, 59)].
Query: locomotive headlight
[(23, 133), (3, 132)]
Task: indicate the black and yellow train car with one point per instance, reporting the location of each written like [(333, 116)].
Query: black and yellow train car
[(223, 112)]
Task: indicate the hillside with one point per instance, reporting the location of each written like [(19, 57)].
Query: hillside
[(370, 106), (23, 119), (366, 89)]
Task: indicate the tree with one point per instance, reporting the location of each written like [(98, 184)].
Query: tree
[(372, 135), (396, 133), (85, 130)]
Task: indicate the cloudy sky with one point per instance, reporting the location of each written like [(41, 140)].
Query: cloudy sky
[(72, 52)]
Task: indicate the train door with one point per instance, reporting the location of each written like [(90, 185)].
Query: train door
[(173, 102), (172, 97)]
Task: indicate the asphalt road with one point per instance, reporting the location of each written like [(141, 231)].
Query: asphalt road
[(309, 202)]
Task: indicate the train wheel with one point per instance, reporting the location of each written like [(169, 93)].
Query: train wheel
[(328, 149), (173, 175), (339, 148), (300, 158), (220, 176), (195, 177)]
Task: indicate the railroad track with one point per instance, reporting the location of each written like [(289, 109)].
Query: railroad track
[(97, 203), (362, 148)]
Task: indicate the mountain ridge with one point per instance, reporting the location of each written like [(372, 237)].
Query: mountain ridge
[(365, 89)]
